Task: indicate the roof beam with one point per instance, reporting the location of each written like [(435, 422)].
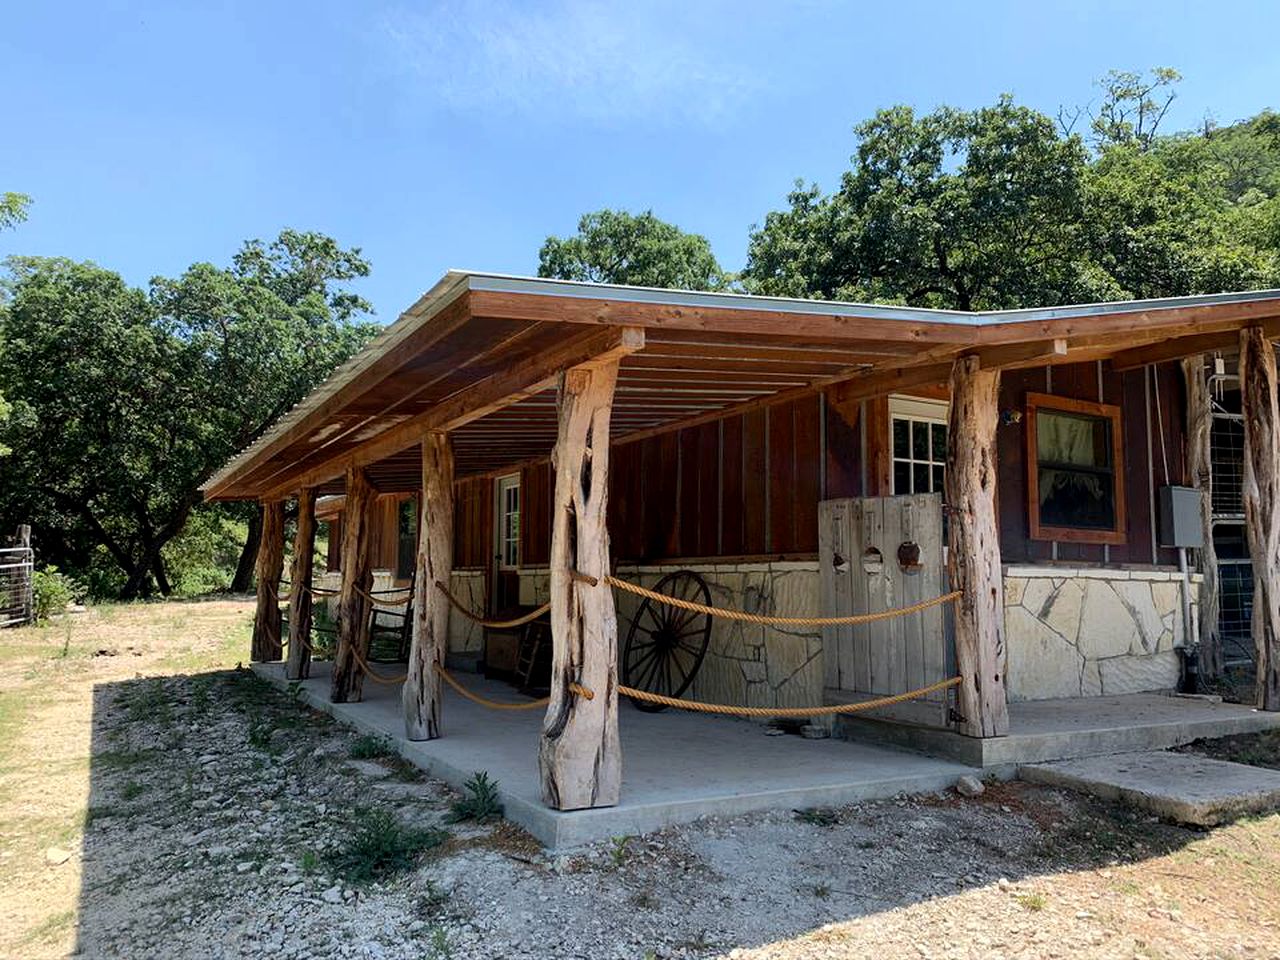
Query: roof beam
[(1181, 347), (524, 380)]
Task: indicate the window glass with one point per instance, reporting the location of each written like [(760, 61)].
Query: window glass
[(919, 455), (407, 528), (509, 522), (1075, 471)]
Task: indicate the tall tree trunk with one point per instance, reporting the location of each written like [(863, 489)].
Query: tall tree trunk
[(298, 666), (421, 694), (1199, 466), (266, 624), (1261, 510), (580, 757), (974, 549), (158, 570), (243, 579), (347, 680)]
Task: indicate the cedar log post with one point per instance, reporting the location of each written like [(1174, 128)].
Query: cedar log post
[(1199, 430), (298, 666), (422, 689), (580, 757), (347, 682), (266, 621), (1261, 510), (974, 549)]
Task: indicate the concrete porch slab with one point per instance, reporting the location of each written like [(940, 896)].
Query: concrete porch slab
[(1177, 786), (676, 766), (1046, 730)]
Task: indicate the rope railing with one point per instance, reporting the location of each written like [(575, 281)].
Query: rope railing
[(492, 624), (765, 620)]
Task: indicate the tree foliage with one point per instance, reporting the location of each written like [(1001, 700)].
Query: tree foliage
[(613, 246), (125, 399), (1000, 208), (959, 209), (13, 209)]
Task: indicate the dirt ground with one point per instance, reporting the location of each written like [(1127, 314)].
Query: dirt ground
[(155, 801)]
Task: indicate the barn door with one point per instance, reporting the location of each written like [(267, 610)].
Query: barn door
[(880, 553)]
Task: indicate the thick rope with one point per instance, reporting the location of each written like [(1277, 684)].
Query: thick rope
[(492, 624), (779, 621), (383, 600), (736, 711), (375, 677)]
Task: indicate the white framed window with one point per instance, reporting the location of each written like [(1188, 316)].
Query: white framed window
[(918, 444), (507, 527)]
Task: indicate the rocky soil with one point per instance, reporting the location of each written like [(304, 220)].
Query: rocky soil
[(155, 801)]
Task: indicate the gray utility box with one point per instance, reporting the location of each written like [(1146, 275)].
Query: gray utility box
[(1180, 517)]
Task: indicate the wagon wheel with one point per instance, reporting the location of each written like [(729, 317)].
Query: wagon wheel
[(666, 644)]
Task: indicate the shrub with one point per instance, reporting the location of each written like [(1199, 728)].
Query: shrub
[(380, 846), (52, 592), (479, 802)]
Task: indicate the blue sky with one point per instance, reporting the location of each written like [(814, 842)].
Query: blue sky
[(459, 134)]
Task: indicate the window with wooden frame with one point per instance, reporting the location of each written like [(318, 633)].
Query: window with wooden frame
[(918, 445), (507, 529), (1075, 470), (406, 538)]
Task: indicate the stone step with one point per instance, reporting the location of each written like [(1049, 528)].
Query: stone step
[(1183, 787)]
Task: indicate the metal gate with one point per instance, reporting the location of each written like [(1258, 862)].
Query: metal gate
[(16, 600), (880, 553)]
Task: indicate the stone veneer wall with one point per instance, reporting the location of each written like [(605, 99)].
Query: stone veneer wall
[(745, 664), (1087, 632)]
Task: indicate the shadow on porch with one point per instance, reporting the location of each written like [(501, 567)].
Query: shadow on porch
[(677, 767)]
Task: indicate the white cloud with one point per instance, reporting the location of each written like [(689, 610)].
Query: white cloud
[(589, 60)]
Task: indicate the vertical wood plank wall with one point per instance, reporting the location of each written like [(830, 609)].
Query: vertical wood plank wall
[(749, 484)]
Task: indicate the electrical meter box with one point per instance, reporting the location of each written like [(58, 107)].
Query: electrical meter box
[(1180, 524)]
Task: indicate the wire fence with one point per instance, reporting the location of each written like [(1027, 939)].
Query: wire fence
[(17, 602)]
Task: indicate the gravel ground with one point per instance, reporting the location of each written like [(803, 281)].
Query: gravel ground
[(155, 801)]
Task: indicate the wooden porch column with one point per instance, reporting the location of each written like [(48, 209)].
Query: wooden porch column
[(347, 682), (1261, 510), (421, 694), (298, 666), (974, 548), (266, 621), (1199, 433), (580, 757)]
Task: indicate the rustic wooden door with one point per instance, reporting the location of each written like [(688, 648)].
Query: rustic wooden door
[(881, 553)]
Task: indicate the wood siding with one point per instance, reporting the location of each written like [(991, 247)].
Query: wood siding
[(749, 485)]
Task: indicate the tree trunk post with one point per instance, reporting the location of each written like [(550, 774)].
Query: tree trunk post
[(298, 666), (1199, 466), (347, 681), (580, 757), (266, 622), (1261, 510), (974, 549), (422, 688)]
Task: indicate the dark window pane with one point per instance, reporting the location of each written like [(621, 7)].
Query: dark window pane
[(939, 479), (1072, 440), (919, 440), (939, 434), (1076, 498), (920, 479), (901, 445), (901, 477)]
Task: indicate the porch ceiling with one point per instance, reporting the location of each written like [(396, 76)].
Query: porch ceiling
[(478, 355)]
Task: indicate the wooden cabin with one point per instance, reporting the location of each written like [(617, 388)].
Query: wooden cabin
[(804, 459)]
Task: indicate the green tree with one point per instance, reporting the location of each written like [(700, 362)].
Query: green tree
[(956, 209), (125, 400), (1133, 106), (13, 209), (613, 246)]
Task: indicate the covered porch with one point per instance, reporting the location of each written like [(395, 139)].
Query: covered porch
[(488, 373), (680, 767)]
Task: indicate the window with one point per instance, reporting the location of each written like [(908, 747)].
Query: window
[(1075, 487), (918, 442), (508, 526), (407, 534)]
